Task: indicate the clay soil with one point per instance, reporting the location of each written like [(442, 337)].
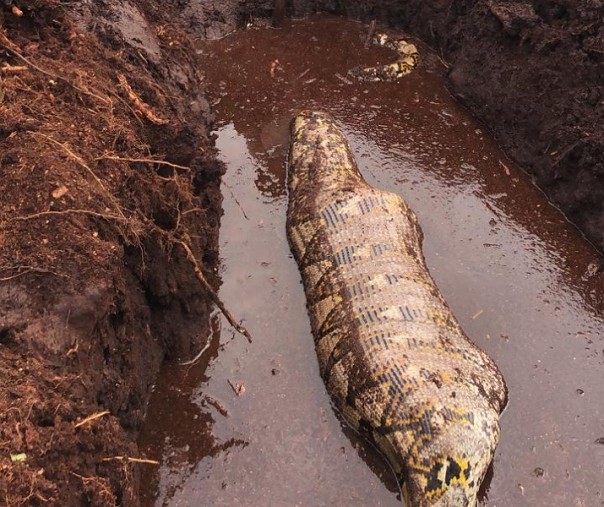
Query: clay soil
[(107, 171)]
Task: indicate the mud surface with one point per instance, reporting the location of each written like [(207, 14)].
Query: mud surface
[(252, 424), (531, 70), (94, 287)]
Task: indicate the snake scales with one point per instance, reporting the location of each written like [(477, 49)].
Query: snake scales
[(393, 357), (407, 60)]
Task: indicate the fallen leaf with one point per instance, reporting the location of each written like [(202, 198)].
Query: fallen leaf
[(238, 388)]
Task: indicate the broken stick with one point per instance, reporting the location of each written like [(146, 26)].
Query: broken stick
[(216, 300)]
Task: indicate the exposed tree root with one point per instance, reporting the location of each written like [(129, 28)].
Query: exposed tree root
[(216, 300), (145, 160), (141, 106)]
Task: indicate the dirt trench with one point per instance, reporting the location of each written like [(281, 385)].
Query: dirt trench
[(106, 164)]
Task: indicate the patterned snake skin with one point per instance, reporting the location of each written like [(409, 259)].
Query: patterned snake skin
[(393, 357), (408, 58)]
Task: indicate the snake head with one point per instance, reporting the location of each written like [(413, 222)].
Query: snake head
[(445, 482), (450, 480), (446, 466)]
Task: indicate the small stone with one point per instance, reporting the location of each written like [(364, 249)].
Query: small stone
[(539, 472), (59, 192), (580, 392)]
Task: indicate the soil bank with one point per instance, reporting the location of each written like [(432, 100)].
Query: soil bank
[(105, 166)]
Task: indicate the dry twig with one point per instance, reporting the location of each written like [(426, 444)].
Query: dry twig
[(127, 459), (91, 418), (206, 285), (13, 68)]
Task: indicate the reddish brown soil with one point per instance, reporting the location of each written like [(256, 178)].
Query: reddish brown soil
[(94, 288), (531, 70)]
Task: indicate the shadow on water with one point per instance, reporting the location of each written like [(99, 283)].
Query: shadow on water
[(252, 424), (179, 426)]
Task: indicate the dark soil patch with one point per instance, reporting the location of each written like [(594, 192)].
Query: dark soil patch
[(94, 288), (531, 70)]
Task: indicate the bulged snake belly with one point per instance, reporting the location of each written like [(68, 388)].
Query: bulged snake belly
[(394, 359)]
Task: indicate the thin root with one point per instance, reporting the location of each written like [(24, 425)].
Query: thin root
[(206, 285), (33, 216), (145, 160), (81, 162), (9, 46)]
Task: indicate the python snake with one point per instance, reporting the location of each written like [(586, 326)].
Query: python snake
[(408, 58), (393, 357)]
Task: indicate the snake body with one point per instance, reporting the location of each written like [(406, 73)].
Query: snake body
[(394, 359), (408, 58)]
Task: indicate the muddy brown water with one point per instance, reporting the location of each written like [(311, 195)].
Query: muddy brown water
[(526, 287)]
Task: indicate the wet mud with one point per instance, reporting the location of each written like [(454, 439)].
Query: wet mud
[(251, 424)]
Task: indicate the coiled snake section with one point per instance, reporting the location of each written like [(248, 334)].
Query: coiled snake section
[(408, 58), (394, 359)]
